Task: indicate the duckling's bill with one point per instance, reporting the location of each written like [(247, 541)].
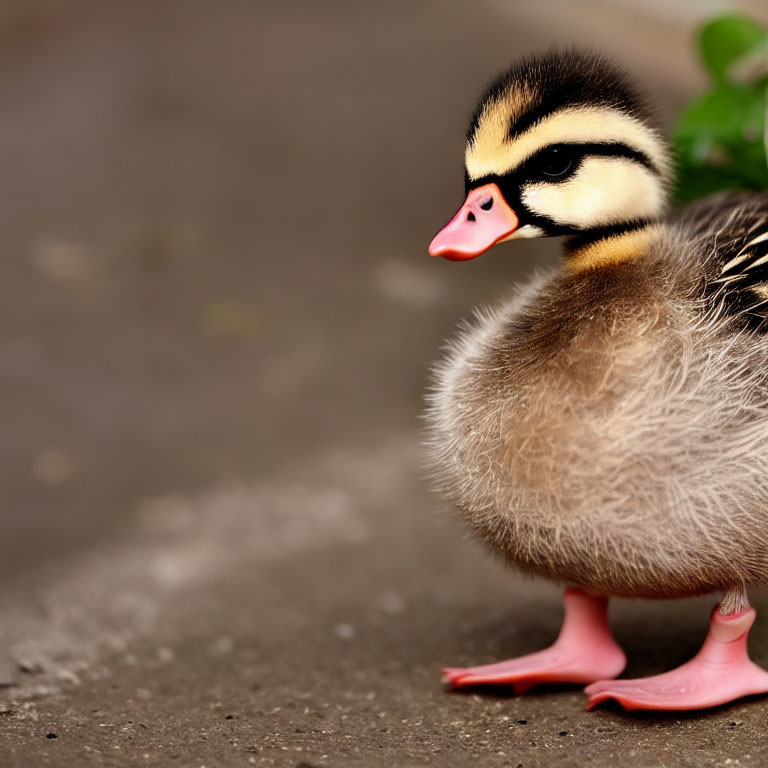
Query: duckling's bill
[(483, 220)]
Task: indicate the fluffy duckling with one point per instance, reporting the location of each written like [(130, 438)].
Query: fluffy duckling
[(607, 426)]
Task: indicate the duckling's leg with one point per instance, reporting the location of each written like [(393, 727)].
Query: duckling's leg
[(583, 652), (720, 672)]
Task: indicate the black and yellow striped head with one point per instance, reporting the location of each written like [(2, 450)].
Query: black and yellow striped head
[(565, 144)]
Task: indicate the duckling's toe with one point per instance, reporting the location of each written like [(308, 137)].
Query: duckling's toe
[(584, 651), (719, 673), (558, 664), (692, 686)]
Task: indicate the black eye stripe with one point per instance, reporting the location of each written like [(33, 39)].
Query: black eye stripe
[(578, 150), (581, 150)]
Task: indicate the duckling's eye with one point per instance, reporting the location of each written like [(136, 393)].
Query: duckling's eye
[(556, 161)]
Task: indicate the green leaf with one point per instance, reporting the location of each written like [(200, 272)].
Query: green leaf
[(719, 141), (725, 40), (730, 112)]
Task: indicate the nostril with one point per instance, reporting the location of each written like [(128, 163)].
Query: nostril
[(471, 216), (486, 205)]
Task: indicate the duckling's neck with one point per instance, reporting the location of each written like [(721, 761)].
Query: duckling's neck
[(609, 245)]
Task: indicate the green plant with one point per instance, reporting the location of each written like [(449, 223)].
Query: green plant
[(720, 140)]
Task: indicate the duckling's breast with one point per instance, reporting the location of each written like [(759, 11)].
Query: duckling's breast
[(603, 431)]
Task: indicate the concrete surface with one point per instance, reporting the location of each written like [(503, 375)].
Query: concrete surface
[(216, 545)]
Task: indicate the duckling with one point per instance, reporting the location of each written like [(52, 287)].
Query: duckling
[(606, 427)]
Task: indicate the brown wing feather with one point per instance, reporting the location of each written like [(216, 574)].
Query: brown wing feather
[(731, 230)]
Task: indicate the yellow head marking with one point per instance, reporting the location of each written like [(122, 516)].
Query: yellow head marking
[(491, 151), (498, 114)]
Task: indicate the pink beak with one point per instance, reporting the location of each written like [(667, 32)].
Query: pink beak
[(483, 220)]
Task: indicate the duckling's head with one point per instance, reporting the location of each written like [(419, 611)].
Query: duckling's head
[(561, 144)]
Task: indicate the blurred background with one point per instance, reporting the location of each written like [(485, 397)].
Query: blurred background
[(216, 321)]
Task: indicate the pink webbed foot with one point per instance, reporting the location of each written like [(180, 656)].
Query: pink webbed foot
[(584, 651), (720, 672)]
